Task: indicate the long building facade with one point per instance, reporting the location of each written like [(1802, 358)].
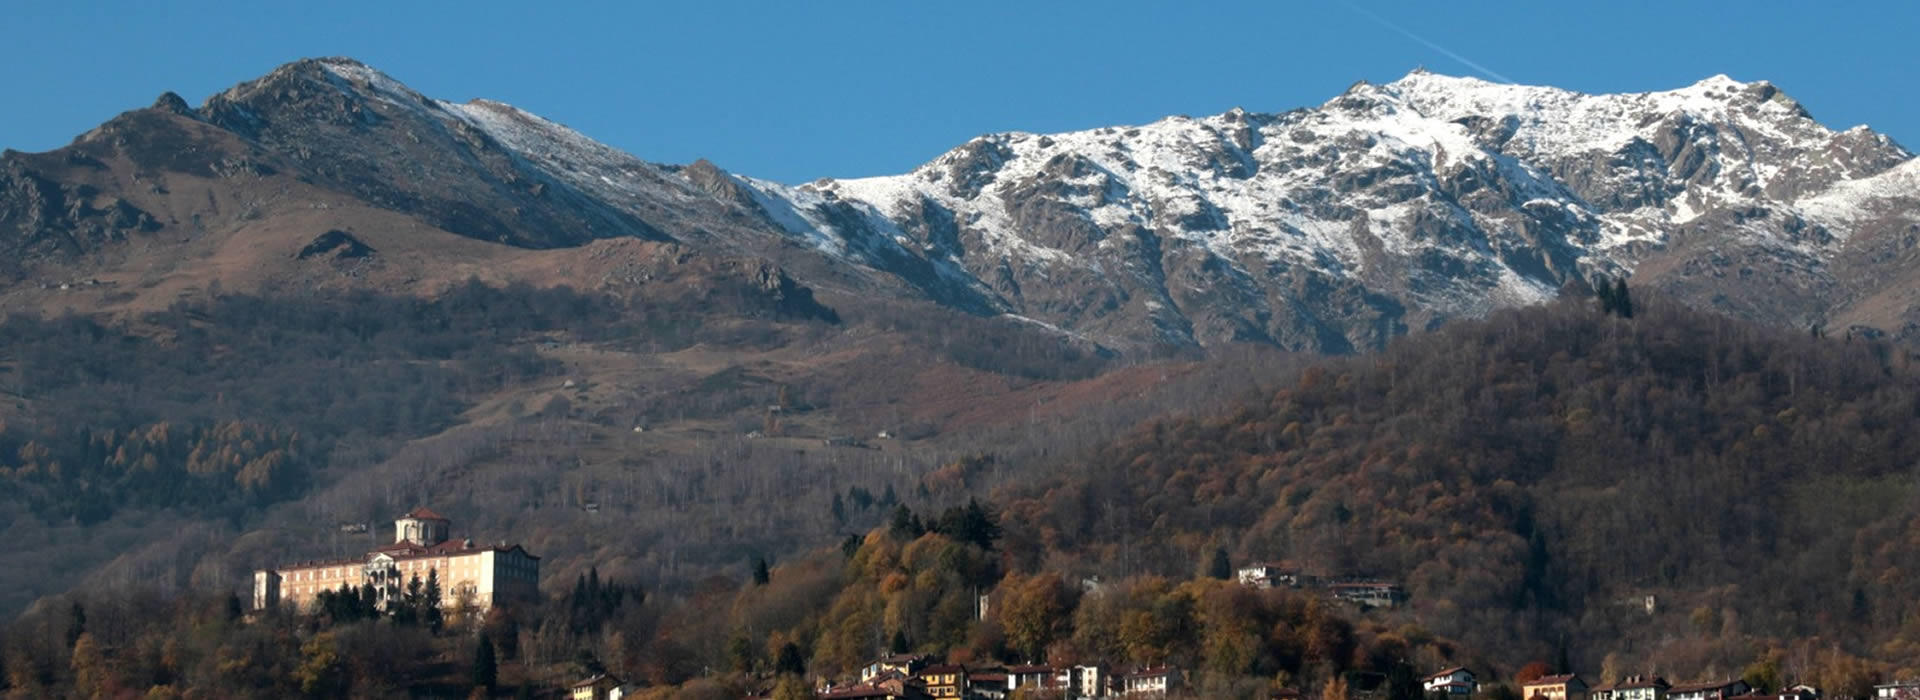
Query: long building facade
[(471, 576)]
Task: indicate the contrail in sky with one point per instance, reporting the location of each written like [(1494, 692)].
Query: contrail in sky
[(1382, 21)]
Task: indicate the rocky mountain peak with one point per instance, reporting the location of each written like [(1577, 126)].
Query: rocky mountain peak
[(1390, 207), (173, 103)]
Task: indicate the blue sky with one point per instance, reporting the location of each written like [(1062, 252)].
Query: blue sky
[(797, 90)]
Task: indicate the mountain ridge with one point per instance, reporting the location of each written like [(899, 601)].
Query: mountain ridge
[(1389, 208), (1474, 194)]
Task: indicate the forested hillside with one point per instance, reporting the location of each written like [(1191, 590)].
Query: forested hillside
[(1533, 478), (1641, 489)]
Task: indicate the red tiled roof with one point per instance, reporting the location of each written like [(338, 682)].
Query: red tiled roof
[(943, 668), (1553, 680), (1150, 672), (1446, 672), (596, 679), (423, 513), (1030, 669)]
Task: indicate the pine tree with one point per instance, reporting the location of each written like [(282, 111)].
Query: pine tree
[(1622, 300), (1401, 684), (1220, 567), (486, 671), (761, 576), (905, 525), (406, 611), (430, 612), (76, 623), (789, 661)]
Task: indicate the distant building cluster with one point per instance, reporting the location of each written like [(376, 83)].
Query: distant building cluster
[(1364, 593), (471, 575), (1572, 687), (915, 677)]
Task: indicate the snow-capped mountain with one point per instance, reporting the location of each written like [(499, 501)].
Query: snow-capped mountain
[(1388, 208)]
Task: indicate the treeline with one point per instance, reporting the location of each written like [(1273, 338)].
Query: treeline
[(822, 615), (1533, 478)]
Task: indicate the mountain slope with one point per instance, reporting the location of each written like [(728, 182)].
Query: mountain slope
[(1392, 207), (1534, 478), (1389, 208)]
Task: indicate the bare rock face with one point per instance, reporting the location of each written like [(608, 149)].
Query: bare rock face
[(1388, 209), (1395, 207)]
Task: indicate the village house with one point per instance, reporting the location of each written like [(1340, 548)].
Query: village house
[(1034, 676), (1150, 682), (944, 680), (1711, 690), (1083, 681), (600, 687), (989, 685), (475, 577), (1788, 694), (1267, 576), (1369, 594), (906, 665), (1632, 688), (1453, 681), (1898, 690), (1565, 686), (890, 689)]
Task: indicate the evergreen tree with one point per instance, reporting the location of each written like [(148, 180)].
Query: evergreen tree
[(1402, 684), (839, 510), (234, 609), (406, 611), (1220, 567), (899, 643), (761, 575), (1623, 300), (431, 613), (905, 525), (76, 623), (789, 661), (486, 671)]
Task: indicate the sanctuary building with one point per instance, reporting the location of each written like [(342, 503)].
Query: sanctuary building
[(472, 576)]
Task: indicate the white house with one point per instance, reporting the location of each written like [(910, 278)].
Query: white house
[(1710, 690), (1453, 681), (1267, 576), (1150, 682), (1898, 690)]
